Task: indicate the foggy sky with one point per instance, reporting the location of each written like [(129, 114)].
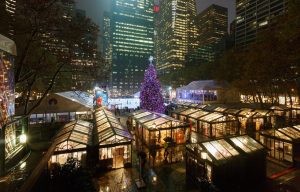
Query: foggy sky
[(95, 8)]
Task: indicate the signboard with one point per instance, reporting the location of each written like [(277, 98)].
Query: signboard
[(101, 97)]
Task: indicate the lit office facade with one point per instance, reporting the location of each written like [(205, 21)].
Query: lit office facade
[(132, 44), (107, 46), (253, 16), (176, 34), (212, 24), (8, 9)]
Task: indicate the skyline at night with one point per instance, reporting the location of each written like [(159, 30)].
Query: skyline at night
[(150, 95), (95, 8)]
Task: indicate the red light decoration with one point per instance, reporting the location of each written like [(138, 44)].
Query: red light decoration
[(156, 8)]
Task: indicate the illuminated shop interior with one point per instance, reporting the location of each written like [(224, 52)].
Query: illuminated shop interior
[(282, 144), (114, 141), (155, 130)]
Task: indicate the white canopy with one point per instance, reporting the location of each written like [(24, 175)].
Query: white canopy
[(8, 45), (204, 85)]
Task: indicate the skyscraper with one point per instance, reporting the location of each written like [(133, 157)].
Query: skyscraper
[(132, 43), (107, 46), (253, 16), (7, 14), (212, 25), (176, 34)]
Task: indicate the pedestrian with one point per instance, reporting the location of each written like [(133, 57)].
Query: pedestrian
[(166, 153), (128, 124)]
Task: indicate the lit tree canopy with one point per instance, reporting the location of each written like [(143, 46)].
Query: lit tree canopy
[(151, 97)]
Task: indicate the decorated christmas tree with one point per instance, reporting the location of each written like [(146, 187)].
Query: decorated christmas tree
[(151, 97)]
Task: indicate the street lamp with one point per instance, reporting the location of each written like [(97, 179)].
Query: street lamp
[(23, 138)]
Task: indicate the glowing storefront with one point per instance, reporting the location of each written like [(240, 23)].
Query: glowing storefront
[(156, 131), (114, 141), (282, 144), (210, 124)]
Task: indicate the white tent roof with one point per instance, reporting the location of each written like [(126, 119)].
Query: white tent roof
[(204, 85), (80, 97), (8, 45)]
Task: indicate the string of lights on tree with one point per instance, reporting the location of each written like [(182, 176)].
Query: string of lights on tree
[(150, 95)]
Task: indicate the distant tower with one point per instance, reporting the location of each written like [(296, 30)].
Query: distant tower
[(7, 14), (212, 24), (253, 16), (132, 43), (176, 34)]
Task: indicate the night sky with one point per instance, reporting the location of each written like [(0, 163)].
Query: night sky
[(95, 8)]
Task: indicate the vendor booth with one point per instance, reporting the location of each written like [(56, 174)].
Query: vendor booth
[(114, 141), (72, 142), (210, 124), (161, 135), (282, 144), (225, 163), (217, 125)]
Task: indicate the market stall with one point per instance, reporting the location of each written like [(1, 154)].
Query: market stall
[(253, 152), (226, 163), (282, 144), (157, 131), (215, 125), (215, 162), (72, 141), (114, 141)]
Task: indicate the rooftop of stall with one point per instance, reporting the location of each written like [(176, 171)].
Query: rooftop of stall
[(109, 129), (189, 104), (253, 152), (259, 113), (216, 117), (288, 134), (147, 119), (246, 112), (217, 151), (184, 113), (218, 161), (72, 140), (75, 135), (231, 161)]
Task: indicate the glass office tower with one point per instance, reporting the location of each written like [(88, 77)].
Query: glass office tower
[(132, 44)]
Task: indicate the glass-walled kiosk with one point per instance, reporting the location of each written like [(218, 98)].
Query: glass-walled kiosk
[(161, 136), (114, 141)]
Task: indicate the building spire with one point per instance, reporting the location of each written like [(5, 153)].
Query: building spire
[(151, 60)]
